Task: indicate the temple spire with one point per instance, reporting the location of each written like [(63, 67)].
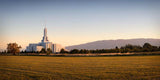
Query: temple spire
[(45, 31), (45, 38)]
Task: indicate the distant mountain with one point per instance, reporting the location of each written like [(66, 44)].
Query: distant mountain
[(108, 44)]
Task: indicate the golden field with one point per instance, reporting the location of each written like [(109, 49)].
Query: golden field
[(79, 68)]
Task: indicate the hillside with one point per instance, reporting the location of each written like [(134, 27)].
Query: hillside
[(108, 44)]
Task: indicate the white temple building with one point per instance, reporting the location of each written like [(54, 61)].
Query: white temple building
[(56, 48)]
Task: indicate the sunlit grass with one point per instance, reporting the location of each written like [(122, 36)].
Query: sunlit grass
[(42, 67)]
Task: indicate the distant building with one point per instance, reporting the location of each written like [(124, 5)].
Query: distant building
[(56, 48)]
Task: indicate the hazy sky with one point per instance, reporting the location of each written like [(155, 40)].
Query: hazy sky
[(71, 22)]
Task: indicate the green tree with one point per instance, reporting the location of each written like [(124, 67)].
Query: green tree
[(49, 51), (74, 51), (22, 51), (154, 48), (63, 51), (85, 51), (13, 48), (81, 51), (43, 50), (117, 49), (147, 45)]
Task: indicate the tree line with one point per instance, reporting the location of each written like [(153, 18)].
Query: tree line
[(124, 49), (14, 49), (43, 50)]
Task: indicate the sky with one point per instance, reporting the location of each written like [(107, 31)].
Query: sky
[(72, 22)]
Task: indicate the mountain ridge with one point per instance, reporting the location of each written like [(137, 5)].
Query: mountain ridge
[(108, 44)]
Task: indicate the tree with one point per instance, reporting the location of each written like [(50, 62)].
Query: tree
[(13, 48), (43, 50), (48, 51), (25, 51), (85, 51), (117, 49), (63, 51), (81, 51), (147, 47), (22, 51), (74, 51)]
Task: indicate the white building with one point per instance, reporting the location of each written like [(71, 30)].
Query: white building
[(56, 48)]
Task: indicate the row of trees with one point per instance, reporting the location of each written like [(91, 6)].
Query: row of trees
[(124, 49), (14, 48), (43, 50)]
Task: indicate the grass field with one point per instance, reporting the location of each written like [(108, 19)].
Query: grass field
[(77, 68)]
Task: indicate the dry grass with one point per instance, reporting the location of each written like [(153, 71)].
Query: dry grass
[(77, 68)]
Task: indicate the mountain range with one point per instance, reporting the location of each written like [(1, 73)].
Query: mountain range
[(108, 44)]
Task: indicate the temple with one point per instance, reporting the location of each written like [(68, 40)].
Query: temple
[(37, 47)]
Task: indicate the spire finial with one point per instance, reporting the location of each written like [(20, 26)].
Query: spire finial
[(45, 24)]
